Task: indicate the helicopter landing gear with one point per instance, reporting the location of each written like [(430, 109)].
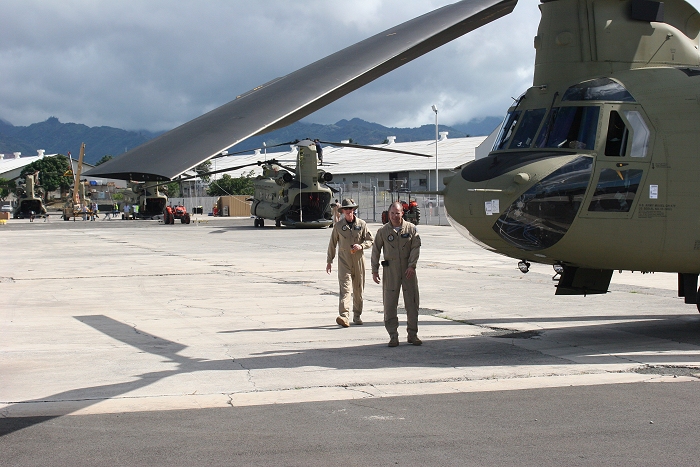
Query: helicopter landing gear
[(278, 223), (259, 222)]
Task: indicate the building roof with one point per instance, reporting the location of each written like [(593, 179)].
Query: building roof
[(12, 164), (348, 160)]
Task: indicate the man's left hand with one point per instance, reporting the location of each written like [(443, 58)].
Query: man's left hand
[(410, 273)]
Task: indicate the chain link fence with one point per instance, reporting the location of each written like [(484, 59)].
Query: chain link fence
[(372, 204)]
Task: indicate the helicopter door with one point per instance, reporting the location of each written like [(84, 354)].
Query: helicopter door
[(622, 165)]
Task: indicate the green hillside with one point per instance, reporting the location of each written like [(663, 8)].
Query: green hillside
[(56, 137)]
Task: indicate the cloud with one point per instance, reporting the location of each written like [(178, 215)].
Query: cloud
[(157, 64)]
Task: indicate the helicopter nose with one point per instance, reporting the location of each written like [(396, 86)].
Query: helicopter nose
[(518, 202)]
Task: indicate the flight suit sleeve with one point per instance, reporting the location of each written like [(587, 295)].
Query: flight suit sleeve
[(415, 251), (368, 239), (331, 246), (376, 251)]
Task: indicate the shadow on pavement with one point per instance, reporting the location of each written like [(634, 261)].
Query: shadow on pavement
[(466, 352)]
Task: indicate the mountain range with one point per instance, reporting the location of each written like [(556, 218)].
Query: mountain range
[(56, 137)]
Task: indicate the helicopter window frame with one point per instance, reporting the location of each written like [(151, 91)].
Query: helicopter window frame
[(507, 129), (599, 89), (640, 133), (530, 123), (613, 188), (586, 126), (617, 135), (637, 134)]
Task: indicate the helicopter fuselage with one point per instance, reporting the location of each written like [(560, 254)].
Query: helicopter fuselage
[(295, 198), (596, 166)]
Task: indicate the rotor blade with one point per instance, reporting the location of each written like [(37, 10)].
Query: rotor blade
[(287, 99), (204, 174), (374, 148), (226, 153)]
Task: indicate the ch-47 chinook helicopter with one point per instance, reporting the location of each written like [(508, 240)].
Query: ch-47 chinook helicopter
[(295, 197), (298, 197), (147, 196), (595, 168)]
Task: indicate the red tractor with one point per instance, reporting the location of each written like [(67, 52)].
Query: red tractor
[(176, 212), (411, 212)]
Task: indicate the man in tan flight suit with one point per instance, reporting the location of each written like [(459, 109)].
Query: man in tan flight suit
[(351, 236), (401, 244)]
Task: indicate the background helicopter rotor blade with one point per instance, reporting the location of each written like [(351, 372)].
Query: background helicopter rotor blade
[(374, 148), (285, 100), (212, 172), (226, 153)]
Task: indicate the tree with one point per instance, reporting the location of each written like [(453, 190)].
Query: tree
[(228, 185), (52, 172), (105, 158), (6, 187), (173, 189), (203, 170)]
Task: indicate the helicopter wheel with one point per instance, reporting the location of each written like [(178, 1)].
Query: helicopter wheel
[(278, 223)]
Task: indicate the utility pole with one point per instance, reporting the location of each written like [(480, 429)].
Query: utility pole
[(437, 186)]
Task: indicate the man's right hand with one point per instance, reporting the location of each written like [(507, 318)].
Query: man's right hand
[(375, 277), (329, 267)]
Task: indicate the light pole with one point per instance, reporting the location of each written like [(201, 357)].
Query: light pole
[(437, 186)]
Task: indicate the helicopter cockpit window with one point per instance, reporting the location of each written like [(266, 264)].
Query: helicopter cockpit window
[(507, 130), (602, 89), (616, 141), (616, 190), (570, 127), (528, 129), (640, 134), (541, 216)]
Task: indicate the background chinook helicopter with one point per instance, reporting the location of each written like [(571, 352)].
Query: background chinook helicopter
[(295, 196), (594, 169), (29, 198), (148, 197)]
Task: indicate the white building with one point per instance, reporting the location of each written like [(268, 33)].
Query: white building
[(11, 166)]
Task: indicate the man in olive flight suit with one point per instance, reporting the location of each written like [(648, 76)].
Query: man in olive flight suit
[(401, 244), (351, 236)]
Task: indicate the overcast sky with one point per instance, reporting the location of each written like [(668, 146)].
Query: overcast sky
[(155, 64)]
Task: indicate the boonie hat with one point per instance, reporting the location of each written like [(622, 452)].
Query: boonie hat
[(348, 203)]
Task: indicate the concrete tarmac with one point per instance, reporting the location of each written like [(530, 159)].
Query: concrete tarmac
[(134, 337)]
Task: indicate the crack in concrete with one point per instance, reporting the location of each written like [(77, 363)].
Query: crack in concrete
[(249, 373), (361, 391)]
